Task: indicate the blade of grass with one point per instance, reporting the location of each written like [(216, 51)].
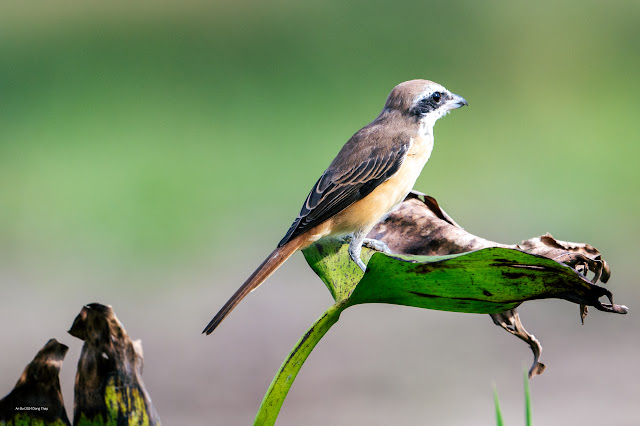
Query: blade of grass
[(527, 400), (499, 421)]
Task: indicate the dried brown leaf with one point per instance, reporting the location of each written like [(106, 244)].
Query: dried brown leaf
[(419, 226)]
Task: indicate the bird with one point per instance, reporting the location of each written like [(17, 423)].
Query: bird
[(371, 175)]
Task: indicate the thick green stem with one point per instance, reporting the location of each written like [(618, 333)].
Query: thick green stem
[(274, 398)]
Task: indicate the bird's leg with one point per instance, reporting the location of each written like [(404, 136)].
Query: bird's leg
[(357, 240), (355, 247)]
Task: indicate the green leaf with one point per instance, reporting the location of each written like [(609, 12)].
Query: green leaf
[(485, 281), (329, 258), (489, 281)]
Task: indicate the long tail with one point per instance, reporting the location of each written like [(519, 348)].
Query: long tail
[(268, 267)]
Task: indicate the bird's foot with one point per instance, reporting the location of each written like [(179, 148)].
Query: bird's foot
[(355, 247), (369, 243), (376, 245), (360, 264)]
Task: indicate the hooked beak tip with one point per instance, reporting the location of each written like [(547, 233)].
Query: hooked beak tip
[(456, 102)]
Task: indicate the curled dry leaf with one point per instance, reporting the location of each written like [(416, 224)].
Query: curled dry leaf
[(109, 387), (581, 257), (420, 227), (37, 398), (510, 321)]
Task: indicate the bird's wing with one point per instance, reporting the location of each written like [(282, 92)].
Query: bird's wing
[(344, 184)]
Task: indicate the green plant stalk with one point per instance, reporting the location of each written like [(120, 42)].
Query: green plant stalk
[(527, 401), (490, 281), (279, 388), (496, 400)]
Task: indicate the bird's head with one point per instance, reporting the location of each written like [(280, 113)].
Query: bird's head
[(423, 100)]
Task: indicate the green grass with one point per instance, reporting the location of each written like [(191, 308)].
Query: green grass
[(496, 401), (528, 410)]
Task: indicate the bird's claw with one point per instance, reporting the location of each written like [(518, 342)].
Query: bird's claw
[(376, 245), (355, 246), (370, 243)]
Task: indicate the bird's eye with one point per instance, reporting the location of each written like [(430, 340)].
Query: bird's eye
[(436, 97)]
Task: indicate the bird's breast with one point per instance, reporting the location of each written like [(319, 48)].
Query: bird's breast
[(396, 188), (365, 213)]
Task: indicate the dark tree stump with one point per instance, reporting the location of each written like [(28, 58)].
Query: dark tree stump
[(37, 399), (109, 389)]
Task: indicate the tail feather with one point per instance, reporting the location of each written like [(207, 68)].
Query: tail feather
[(268, 267)]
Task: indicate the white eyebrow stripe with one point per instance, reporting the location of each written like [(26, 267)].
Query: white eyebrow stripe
[(429, 90)]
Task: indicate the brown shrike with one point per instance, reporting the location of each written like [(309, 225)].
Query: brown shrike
[(373, 172)]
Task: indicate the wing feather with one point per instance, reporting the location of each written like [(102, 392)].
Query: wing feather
[(334, 191)]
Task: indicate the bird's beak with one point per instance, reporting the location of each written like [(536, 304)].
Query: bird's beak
[(455, 102)]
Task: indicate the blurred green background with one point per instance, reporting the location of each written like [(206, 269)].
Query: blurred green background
[(151, 154)]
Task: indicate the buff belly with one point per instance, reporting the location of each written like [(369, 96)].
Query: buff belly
[(362, 215)]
